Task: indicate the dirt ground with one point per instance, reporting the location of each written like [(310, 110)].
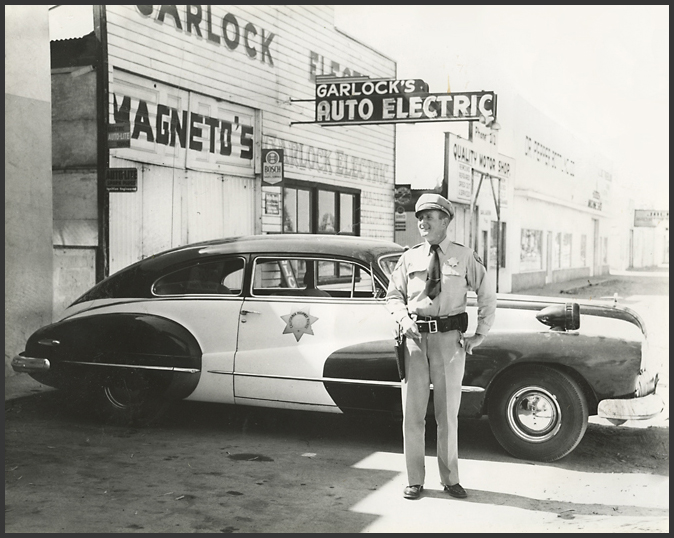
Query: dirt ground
[(211, 468), (207, 468)]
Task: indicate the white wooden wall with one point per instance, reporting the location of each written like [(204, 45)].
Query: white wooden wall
[(174, 207), (177, 67)]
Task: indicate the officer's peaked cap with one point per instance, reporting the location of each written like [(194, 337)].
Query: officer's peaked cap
[(434, 201)]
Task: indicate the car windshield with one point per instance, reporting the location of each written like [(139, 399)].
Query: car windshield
[(388, 263)]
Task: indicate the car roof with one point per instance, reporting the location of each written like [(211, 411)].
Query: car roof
[(363, 248)]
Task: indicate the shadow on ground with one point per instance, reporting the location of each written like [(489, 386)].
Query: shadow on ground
[(604, 448)]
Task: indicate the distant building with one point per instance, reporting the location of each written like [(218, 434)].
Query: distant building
[(649, 238), (530, 197)]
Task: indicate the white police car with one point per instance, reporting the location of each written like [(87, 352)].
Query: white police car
[(299, 321)]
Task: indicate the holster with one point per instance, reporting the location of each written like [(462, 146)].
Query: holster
[(400, 353)]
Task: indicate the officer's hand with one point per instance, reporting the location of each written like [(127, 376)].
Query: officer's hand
[(471, 342), (410, 329)]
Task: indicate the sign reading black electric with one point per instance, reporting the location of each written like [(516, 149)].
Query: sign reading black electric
[(121, 179), (366, 101)]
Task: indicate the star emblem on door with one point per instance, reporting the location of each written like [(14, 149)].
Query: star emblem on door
[(298, 323)]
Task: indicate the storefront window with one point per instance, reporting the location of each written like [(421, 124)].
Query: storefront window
[(583, 250), (566, 251), (312, 209), (531, 250), (296, 211), (290, 211), (495, 252), (326, 212), (557, 251)]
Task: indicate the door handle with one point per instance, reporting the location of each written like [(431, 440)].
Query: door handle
[(244, 312)]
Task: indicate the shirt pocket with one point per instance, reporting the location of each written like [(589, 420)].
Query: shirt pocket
[(416, 279)]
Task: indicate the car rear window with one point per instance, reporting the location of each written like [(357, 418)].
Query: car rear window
[(221, 277)]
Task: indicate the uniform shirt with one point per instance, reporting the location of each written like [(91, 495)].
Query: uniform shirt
[(461, 270)]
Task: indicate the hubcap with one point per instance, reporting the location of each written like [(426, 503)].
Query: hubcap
[(534, 414), (122, 396)]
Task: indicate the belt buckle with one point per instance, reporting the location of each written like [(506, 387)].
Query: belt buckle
[(432, 326)]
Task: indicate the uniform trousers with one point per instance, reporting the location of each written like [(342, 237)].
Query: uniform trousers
[(438, 358)]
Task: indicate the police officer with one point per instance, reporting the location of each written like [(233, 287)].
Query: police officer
[(427, 297)]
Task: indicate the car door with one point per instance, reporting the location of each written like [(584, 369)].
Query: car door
[(205, 297), (302, 311)]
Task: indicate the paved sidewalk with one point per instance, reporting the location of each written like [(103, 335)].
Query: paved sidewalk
[(557, 289)]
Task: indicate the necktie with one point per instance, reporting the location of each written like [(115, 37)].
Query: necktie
[(434, 276)]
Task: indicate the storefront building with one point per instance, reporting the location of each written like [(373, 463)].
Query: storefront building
[(563, 202), (478, 180), (193, 97), (536, 204)]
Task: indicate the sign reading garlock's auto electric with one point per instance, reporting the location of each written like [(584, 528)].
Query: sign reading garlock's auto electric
[(343, 101)]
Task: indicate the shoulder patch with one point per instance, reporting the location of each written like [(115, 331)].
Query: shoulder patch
[(477, 258)]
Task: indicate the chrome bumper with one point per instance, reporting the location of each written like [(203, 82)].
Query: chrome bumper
[(641, 408), (29, 364)]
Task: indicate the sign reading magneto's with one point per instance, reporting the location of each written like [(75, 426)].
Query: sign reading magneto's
[(365, 101), (170, 126)]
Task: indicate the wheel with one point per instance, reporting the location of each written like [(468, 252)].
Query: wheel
[(537, 413), (131, 399)]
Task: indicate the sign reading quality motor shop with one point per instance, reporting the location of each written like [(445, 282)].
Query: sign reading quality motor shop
[(364, 101)]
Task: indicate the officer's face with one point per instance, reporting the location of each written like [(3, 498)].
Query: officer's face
[(433, 225)]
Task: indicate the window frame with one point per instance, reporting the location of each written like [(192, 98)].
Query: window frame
[(314, 189), (194, 263), (266, 257)]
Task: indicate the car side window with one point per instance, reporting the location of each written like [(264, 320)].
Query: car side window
[(300, 277), (222, 277), (345, 279)]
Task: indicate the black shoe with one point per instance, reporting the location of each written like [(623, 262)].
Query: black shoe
[(413, 492), (456, 491)]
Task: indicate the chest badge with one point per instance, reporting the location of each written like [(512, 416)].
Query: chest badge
[(450, 267), (299, 323)]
